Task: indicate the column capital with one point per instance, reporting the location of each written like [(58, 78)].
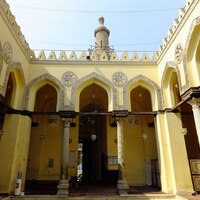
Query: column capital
[(67, 114), (194, 102), (120, 120), (67, 122), (120, 113)]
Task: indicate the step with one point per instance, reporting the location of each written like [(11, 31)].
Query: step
[(116, 197)]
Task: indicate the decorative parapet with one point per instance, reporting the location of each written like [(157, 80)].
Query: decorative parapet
[(63, 56), (9, 18), (177, 24)]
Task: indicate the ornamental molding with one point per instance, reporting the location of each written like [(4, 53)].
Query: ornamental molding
[(149, 82), (119, 79), (13, 66), (37, 80), (7, 52), (69, 78), (195, 23), (15, 29), (177, 25), (171, 64), (1, 56), (45, 56), (98, 77), (179, 53)]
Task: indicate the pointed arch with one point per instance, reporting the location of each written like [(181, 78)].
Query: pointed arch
[(170, 67), (18, 75), (100, 80), (15, 67), (37, 83), (190, 48), (147, 83)]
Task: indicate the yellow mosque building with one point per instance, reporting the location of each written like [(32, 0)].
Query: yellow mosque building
[(100, 117)]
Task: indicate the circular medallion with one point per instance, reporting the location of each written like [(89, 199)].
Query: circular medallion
[(1, 55), (179, 53), (68, 78), (119, 79), (7, 52)]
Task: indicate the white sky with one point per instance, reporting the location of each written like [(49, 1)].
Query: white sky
[(135, 25)]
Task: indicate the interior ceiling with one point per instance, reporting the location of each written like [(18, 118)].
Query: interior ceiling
[(93, 98)]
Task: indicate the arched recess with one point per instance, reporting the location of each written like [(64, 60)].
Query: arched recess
[(99, 80), (34, 85), (140, 140), (15, 77), (171, 85), (93, 135), (146, 83), (44, 162), (191, 55)]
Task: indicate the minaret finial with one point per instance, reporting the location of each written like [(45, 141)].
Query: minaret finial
[(101, 21)]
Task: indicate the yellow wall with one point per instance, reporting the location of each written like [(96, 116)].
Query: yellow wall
[(137, 151), (14, 144), (50, 147), (14, 151)]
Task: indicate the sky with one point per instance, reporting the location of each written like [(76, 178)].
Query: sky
[(135, 25)]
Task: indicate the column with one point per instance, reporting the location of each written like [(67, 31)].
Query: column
[(195, 103), (122, 183), (63, 186)]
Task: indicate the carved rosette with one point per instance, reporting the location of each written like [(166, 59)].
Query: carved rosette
[(119, 79), (69, 78), (7, 52), (1, 55), (179, 53)]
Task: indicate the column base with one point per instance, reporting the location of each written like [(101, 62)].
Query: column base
[(63, 187), (122, 187)]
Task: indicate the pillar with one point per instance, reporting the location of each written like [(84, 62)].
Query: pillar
[(178, 179), (122, 182), (195, 103), (63, 186)]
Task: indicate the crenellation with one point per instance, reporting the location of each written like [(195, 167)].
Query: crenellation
[(114, 57), (181, 13), (175, 22), (73, 56), (106, 93), (42, 56), (170, 33), (52, 56), (125, 57), (161, 47), (175, 25), (188, 3), (83, 56), (164, 42), (154, 57), (93, 56), (104, 57), (145, 57), (61, 56), (15, 28), (135, 57)]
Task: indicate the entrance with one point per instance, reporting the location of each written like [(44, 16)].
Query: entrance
[(93, 133), (92, 137)]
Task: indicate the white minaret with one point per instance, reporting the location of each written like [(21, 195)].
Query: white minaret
[(102, 39)]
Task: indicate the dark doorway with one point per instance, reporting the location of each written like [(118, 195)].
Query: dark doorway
[(93, 133), (93, 139)]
